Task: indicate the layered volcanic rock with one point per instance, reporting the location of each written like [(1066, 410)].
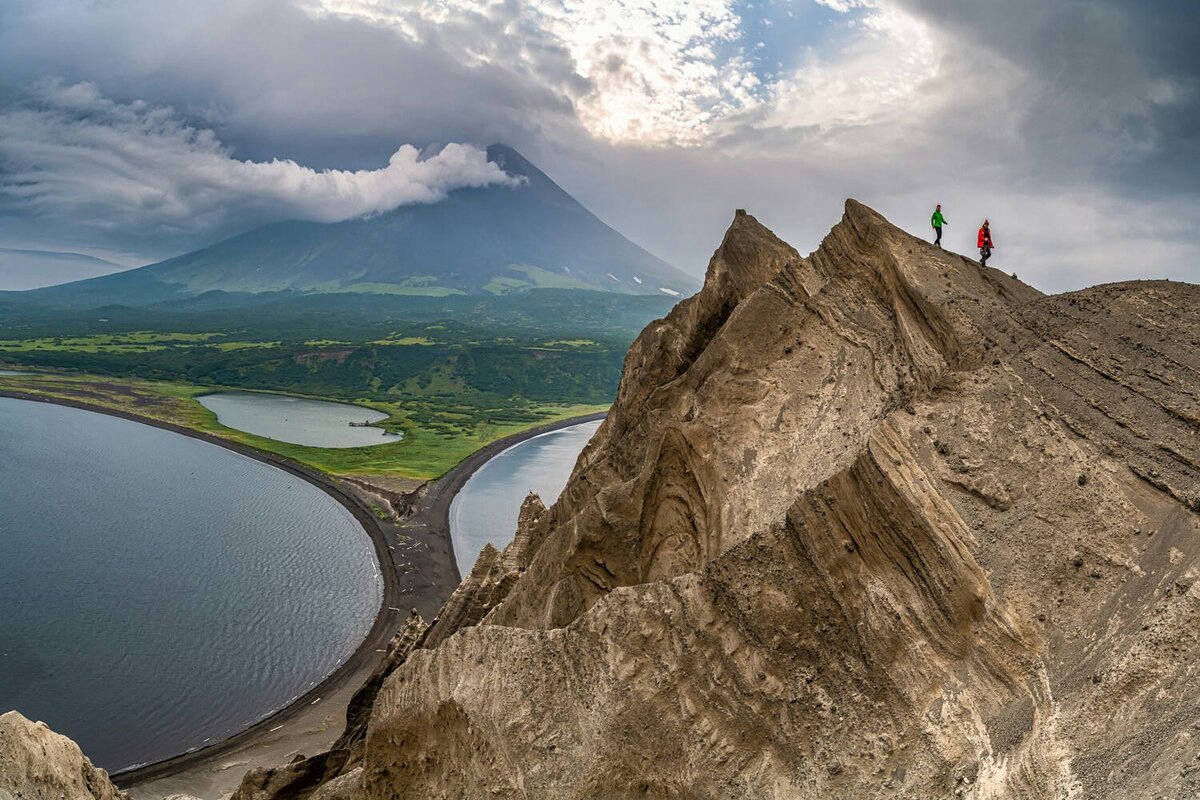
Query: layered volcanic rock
[(38, 764), (874, 522)]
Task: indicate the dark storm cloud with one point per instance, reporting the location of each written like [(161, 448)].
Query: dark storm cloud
[(70, 154), (1113, 88), (182, 100), (267, 68)]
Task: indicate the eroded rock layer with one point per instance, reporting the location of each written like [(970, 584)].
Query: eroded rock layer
[(38, 764), (872, 523), (875, 522)]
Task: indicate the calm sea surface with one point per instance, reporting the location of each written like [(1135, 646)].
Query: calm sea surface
[(316, 423), (486, 508), (157, 592)]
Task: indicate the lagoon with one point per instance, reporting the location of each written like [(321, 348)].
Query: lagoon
[(159, 592), (486, 508), (298, 420)]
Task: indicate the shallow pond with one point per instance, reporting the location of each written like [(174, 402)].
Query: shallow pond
[(298, 420)]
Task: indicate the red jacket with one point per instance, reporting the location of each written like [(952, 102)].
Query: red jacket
[(985, 234)]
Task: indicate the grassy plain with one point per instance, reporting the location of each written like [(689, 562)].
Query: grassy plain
[(428, 450), (451, 373)]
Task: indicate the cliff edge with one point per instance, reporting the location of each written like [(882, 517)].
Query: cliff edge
[(874, 522), (38, 764)]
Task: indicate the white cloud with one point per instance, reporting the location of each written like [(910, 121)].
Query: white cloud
[(671, 72), (73, 153), (845, 6), (875, 76), (666, 71)]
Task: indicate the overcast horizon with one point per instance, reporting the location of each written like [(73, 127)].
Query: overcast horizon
[(134, 131)]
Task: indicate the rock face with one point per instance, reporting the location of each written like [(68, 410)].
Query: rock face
[(38, 764), (874, 522)]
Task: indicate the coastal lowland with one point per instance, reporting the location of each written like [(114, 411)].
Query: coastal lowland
[(450, 433), (450, 378), (406, 518)]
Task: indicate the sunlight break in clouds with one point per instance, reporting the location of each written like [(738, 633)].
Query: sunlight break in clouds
[(874, 77), (655, 68), (660, 72), (73, 152), (673, 72)]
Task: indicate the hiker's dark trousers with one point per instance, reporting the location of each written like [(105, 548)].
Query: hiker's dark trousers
[(937, 238), (985, 253)]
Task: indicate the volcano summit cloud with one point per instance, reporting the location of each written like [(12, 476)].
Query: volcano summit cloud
[(71, 153)]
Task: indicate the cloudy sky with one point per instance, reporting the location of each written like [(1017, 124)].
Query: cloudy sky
[(137, 129)]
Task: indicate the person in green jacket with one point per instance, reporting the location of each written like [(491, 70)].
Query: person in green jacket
[(938, 221)]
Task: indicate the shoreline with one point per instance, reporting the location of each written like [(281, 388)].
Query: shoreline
[(443, 490), (378, 635), (430, 519)]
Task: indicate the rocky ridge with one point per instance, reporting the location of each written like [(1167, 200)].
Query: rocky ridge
[(38, 764), (874, 522)]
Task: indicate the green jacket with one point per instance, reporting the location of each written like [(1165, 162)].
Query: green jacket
[(938, 220)]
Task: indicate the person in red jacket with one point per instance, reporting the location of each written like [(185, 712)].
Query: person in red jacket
[(985, 243)]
